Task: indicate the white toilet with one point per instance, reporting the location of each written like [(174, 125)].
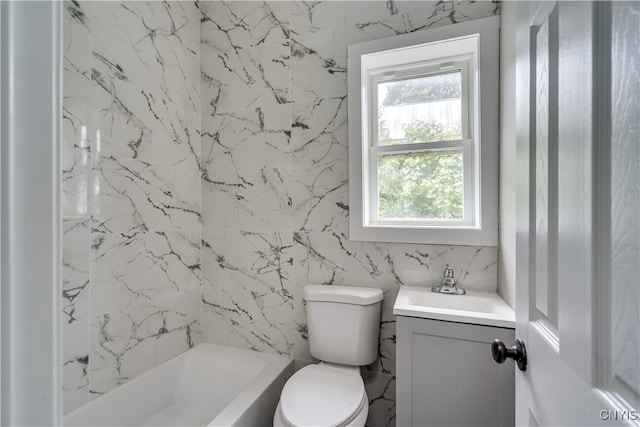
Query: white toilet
[(343, 324)]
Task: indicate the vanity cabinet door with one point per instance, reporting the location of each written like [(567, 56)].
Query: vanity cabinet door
[(446, 375)]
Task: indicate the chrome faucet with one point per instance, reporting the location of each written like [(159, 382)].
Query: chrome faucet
[(448, 285)]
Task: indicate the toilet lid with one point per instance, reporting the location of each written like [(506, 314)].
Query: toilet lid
[(322, 395)]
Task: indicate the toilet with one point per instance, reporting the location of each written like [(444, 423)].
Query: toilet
[(343, 324)]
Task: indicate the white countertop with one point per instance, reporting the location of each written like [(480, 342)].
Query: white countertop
[(475, 307)]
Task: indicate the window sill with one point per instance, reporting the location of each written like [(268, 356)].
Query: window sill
[(459, 236)]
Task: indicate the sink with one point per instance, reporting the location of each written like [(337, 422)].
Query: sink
[(475, 307), (447, 301)]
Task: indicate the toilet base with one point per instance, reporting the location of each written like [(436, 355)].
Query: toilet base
[(359, 421)]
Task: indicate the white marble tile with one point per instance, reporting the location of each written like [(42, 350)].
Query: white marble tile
[(75, 158), (77, 46), (75, 277), (423, 265), (127, 343), (319, 125), (386, 362), (74, 227), (134, 194), (76, 169), (75, 362), (245, 58), (251, 287), (77, 63), (335, 260), (385, 19), (229, 310), (182, 324), (301, 349), (217, 307), (318, 66), (131, 189), (247, 169), (146, 75), (381, 390), (314, 16), (120, 350), (75, 165), (74, 152), (320, 150), (128, 270)]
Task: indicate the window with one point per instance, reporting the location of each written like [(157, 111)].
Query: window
[(423, 136)]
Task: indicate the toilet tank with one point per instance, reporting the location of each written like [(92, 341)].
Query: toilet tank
[(344, 323)]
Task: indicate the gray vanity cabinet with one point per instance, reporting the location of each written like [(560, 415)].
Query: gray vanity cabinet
[(446, 375)]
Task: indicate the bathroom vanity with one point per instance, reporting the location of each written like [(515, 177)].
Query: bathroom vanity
[(446, 375)]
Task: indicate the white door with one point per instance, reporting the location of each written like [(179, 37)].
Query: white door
[(578, 230)]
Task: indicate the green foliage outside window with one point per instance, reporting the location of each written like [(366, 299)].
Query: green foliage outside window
[(421, 184), (430, 131)]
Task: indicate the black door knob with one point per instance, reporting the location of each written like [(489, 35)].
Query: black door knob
[(518, 352)]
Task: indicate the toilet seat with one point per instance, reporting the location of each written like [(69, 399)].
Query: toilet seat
[(326, 395)]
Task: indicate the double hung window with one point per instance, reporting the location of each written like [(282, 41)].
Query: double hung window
[(420, 138)]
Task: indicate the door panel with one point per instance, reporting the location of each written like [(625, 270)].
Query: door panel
[(575, 187), (624, 375), (578, 233), (546, 140)]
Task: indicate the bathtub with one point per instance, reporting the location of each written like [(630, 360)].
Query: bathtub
[(209, 385)]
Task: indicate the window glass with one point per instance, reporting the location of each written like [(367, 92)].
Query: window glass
[(422, 185), (420, 109)]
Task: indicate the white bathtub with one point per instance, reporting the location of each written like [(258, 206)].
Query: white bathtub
[(209, 385)]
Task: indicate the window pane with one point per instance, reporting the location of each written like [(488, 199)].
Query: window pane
[(422, 185), (420, 109)]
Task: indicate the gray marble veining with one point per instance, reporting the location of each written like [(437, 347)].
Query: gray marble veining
[(127, 343), (294, 86), (131, 191), (205, 171)]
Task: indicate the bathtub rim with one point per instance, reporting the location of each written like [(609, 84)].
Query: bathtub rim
[(274, 368), (233, 412)]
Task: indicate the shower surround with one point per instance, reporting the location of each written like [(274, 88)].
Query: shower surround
[(169, 240), (131, 191)]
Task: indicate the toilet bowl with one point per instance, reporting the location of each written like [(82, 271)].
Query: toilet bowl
[(323, 395), (343, 323)]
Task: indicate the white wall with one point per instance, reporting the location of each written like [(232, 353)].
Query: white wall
[(507, 237)]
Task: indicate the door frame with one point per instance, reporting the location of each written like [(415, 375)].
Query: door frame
[(30, 261), (524, 182)]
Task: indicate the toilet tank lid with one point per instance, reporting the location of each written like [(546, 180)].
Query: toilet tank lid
[(344, 294)]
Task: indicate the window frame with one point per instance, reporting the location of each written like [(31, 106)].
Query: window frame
[(481, 139), (465, 143)]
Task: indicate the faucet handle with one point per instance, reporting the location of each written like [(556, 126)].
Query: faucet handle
[(448, 272), (448, 285)]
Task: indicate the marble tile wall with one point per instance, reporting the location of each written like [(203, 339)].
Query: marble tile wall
[(131, 191), (275, 178), (268, 184)]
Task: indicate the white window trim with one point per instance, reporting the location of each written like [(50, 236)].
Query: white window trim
[(465, 144), (485, 231)]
